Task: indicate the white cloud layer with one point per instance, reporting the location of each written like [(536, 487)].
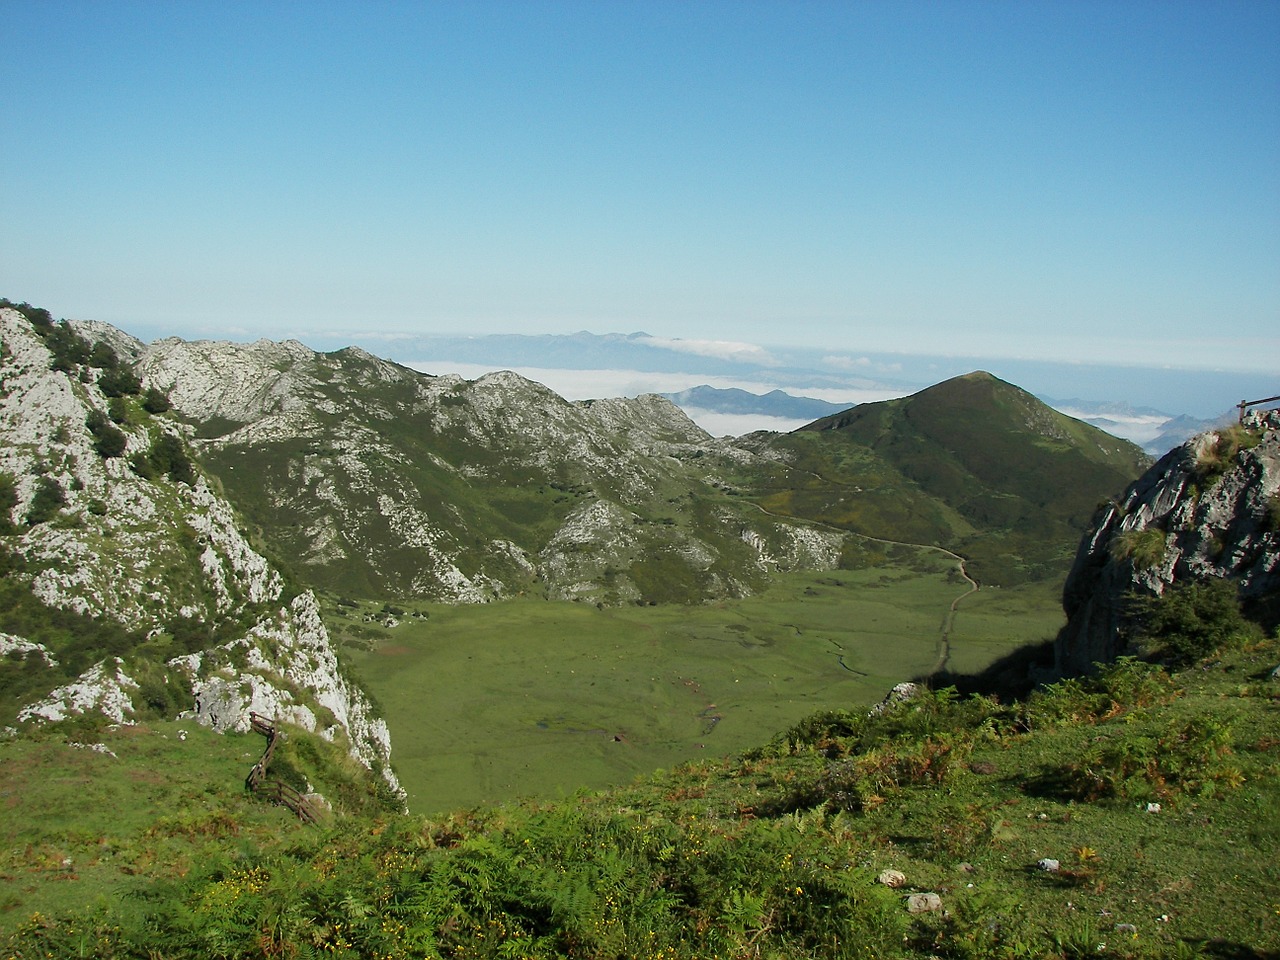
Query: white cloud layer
[(594, 384), (721, 349), (1137, 428), (737, 424)]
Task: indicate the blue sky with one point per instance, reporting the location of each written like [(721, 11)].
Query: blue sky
[(1066, 181)]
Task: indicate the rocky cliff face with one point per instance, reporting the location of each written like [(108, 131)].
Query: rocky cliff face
[(100, 530), (1208, 509)]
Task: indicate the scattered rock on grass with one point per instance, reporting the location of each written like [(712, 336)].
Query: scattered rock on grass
[(924, 903), (901, 693), (893, 878)]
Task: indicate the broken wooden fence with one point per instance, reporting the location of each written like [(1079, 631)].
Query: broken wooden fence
[(275, 790)]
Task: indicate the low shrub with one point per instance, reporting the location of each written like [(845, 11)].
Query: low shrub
[(1126, 685), (1216, 458), (49, 498), (1183, 757), (153, 401), (108, 440), (8, 500), (168, 457), (1191, 621), (118, 382)]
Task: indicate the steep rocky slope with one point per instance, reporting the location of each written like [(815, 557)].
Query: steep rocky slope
[(1208, 509), (373, 479), (106, 522)]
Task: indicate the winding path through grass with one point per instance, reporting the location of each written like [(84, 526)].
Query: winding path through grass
[(948, 621)]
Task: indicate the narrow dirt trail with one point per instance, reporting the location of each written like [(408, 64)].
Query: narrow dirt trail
[(949, 622)]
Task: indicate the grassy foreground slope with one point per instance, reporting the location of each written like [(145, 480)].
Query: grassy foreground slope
[(1134, 814)]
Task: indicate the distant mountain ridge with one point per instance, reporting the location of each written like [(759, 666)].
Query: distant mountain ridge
[(379, 480), (475, 490), (792, 371), (1154, 431), (775, 403)]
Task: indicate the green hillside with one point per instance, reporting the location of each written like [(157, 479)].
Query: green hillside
[(973, 464), (375, 481), (498, 487)]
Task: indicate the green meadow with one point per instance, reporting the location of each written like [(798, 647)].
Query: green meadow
[(529, 698), (81, 826)]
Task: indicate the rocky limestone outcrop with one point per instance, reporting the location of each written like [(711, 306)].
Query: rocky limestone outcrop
[(466, 491), (1208, 509), (284, 667), (104, 688), (150, 552)]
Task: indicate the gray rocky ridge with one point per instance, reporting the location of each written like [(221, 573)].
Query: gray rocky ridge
[(424, 485)]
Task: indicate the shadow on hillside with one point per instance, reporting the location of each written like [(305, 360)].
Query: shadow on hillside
[(1227, 950), (1011, 677)]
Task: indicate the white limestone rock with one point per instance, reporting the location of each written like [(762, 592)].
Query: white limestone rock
[(285, 668), (11, 644), (900, 694), (104, 688), (144, 552)]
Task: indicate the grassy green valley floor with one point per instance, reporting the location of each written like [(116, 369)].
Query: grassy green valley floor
[(535, 699)]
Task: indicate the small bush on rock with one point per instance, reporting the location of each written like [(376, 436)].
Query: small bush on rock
[(48, 500), (1145, 548), (153, 401), (108, 440), (119, 382)]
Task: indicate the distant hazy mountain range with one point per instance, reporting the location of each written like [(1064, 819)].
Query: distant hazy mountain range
[(1153, 430), (732, 388)]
